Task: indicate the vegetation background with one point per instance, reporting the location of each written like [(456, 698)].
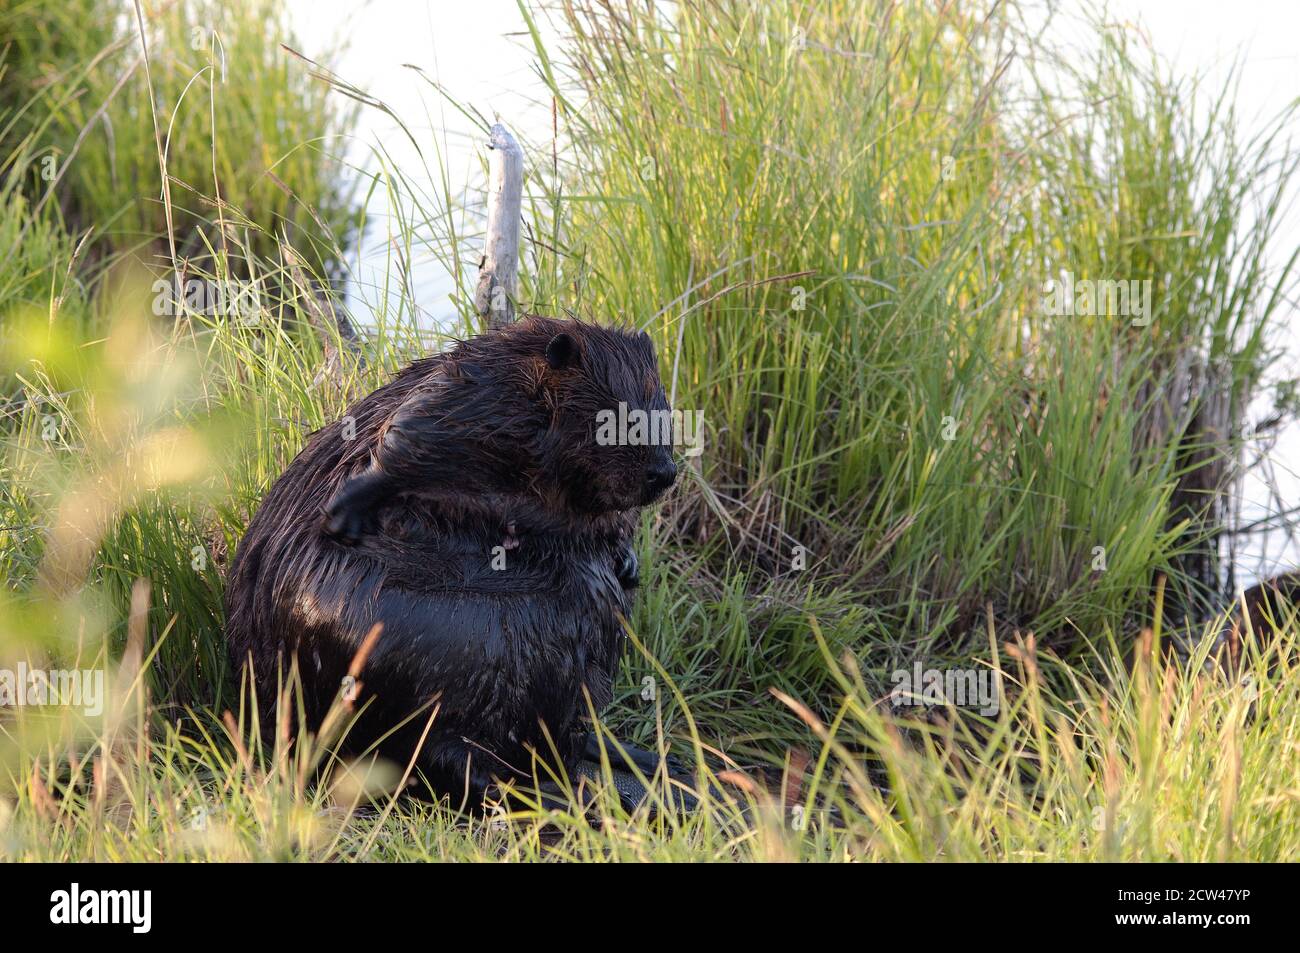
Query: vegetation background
[(837, 220)]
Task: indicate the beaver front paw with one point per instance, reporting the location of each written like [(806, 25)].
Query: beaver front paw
[(349, 525), (353, 513), (627, 568)]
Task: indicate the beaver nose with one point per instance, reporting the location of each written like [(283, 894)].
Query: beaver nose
[(660, 476)]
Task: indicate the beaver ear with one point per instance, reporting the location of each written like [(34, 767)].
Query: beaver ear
[(561, 352)]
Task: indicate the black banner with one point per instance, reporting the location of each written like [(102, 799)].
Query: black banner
[(139, 903)]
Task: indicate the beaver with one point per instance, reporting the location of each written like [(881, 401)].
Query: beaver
[(1254, 614), (467, 507)]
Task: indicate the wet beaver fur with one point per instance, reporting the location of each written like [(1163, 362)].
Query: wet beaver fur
[(474, 515), (1253, 615)]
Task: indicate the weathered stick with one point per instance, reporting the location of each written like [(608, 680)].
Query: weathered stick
[(498, 272)]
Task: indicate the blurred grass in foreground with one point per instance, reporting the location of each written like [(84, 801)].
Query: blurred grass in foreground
[(1159, 765)]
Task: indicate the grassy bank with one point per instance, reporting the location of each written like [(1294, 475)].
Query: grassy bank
[(1156, 765), (838, 220), (250, 144)]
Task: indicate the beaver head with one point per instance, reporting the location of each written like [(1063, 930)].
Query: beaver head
[(610, 441), (599, 432)]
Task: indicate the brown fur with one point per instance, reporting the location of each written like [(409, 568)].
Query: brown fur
[(486, 449)]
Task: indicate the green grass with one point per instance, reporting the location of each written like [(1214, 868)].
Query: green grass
[(251, 143), (906, 458), (1156, 765), (922, 295)]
